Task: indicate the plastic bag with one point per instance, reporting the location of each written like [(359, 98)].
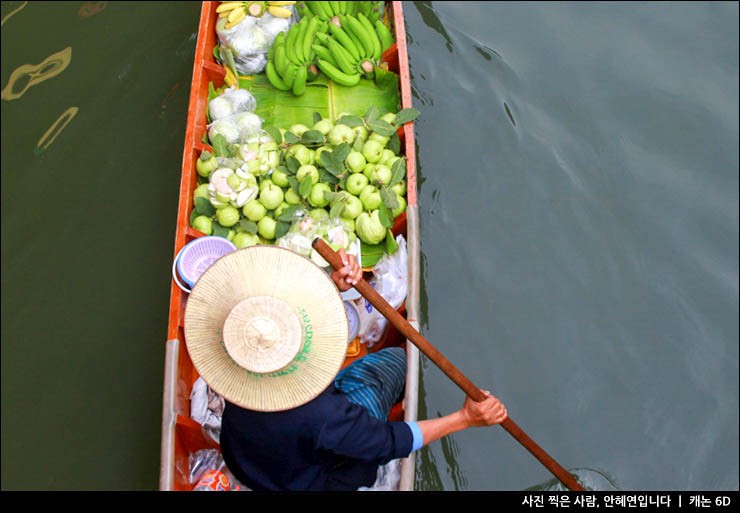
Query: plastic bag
[(230, 102), (236, 128), (250, 40), (206, 408), (390, 280)]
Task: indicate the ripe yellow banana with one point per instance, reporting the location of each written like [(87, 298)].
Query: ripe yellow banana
[(236, 16), (228, 6), (279, 12)]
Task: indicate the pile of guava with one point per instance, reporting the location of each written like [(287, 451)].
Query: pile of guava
[(341, 179)]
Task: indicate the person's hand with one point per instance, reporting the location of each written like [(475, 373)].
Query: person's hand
[(351, 272), (485, 413)]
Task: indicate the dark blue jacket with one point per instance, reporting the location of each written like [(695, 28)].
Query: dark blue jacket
[(327, 444)]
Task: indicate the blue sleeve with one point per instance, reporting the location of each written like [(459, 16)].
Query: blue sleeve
[(418, 437), (349, 430)]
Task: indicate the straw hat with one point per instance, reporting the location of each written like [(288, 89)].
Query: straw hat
[(266, 328)]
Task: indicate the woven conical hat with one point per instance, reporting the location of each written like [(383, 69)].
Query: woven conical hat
[(266, 328)]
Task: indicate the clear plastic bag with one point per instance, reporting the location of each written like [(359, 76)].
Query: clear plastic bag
[(232, 101), (390, 280), (250, 40)]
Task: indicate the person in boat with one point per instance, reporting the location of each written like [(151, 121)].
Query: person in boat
[(338, 440)]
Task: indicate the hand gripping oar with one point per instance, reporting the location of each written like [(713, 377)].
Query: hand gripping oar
[(475, 393)]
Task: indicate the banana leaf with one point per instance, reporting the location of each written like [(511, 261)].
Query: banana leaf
[(282, 109)]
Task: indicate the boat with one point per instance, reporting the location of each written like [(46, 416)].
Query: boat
[(181, 435)]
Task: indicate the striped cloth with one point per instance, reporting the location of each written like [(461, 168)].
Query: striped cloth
[(375, 381)]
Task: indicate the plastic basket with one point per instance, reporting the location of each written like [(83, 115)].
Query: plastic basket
[(196, 256)]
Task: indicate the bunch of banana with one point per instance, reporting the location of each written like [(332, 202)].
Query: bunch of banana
[(351, 49), (290, 58), (327, 10), (235, 12)]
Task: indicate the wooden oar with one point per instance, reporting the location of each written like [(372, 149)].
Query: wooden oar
[(475, 393)]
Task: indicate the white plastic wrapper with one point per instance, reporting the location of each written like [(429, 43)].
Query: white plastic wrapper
[(230, 102), (390, 280), (250, 40), (236, 128)]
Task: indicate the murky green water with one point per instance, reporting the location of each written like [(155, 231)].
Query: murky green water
[(578, 168)]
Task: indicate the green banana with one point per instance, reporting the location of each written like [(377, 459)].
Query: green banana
[(313, 25), (368, 26), (352, 36), (299, 83), (343, 7), (298, 51), (311, 6), (323, 53), (384, 34), (290, 74), (281, 59), (334, 8), (341, 36), (345, 62), (274, 78), (337, 75), (358, 29), (323, 8), (290, 40)]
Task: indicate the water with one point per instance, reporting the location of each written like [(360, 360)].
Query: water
[(578, 167)]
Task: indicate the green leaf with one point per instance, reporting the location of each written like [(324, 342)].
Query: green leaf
[(293, 181), (385, 78), (232, 150), (371, 114), (304, 188), (291, 138), (391, 246), (245, 225), (332, 196), (371, 253), (205, 155), (340, 152), (405, 115), (389, 197), (274, 133), (327, 177), (394, 143), (312, 137), (220, 145), (350, 121), (398, 170), (316, 117), (337, 209), (381, 127), (386, 218), (292, 163), (220, 231), (288, 214), (204, 207), (330, 163), (193, 215), (281, 228)]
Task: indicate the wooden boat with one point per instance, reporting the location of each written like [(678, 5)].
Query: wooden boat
[(181, 435)]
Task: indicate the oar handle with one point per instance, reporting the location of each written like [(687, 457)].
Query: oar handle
[(474, 392)]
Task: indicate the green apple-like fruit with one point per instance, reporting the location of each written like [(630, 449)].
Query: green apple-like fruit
[(254, 210), (324, 126), (386, 156), (227, 216), (200, 192), (266, 227), (381, 175), (205, 167), (401, 206), (279, 178), (372, 150), (389, 117), (203, 224), (317, 197), (291, 197), (271, 196), (299, 129), (318, 151), (245, 239), (339, 134), (307, 170), (355, 183), (370, 197), (265, 182), (353, 207), (368, 171), (382, 139), (300, 152), (361, 133), (399, 188), (355, 161)]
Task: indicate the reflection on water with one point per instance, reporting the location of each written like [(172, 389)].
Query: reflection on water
[(590, 479), (55, 129), (11, 8), (89, 9), (29, 75)]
